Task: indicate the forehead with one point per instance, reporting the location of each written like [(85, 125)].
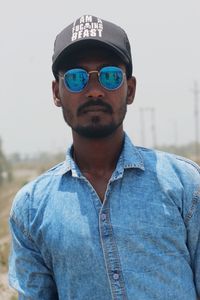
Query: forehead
[(91, 55)]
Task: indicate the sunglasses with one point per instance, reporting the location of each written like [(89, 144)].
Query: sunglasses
[(110, 78)]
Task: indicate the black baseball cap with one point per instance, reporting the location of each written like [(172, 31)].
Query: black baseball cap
[(90, 30)]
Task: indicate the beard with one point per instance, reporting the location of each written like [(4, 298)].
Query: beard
[(96, 130)]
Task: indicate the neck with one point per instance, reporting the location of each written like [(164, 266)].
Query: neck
[(98, 155)]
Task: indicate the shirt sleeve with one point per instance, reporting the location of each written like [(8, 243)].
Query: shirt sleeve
[(192, 218), (193, 238), (28, 273)]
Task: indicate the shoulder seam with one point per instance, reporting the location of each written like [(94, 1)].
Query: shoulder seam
[(21, 227), (19, 224), (190, 162), (195, 202)]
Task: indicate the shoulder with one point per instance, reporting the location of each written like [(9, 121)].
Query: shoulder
[(161, 165), (166, 163), (158, 162), (178, 177), (37, 190)]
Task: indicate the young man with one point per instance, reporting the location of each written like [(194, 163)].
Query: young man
[(113, 221)]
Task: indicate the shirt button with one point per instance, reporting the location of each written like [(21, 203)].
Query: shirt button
[(115, 276), (103, 217)]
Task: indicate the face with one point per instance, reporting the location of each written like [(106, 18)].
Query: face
[(94, 112)]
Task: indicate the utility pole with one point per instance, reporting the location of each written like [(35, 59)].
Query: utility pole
[(196, 118), (153, 125), (142, 126), (175, 131)]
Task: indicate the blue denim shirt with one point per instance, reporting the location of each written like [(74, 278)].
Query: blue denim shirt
[(142, 243)]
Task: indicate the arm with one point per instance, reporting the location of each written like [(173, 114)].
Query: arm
[(193, 239), (28, 273)]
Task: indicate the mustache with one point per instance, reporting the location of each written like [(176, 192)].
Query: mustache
[(94, 102)]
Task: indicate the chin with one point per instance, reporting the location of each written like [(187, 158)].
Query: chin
[(96, 132)]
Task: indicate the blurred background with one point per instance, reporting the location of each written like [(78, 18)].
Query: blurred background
[(164, 36)]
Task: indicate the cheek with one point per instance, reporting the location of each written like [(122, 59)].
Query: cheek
[(66, 98), (121, 97), (64, 94), (69, 112)]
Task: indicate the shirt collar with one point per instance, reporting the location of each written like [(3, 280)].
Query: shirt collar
[(130, 157)]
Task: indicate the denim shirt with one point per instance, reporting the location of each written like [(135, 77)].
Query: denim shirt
[(142, 243)]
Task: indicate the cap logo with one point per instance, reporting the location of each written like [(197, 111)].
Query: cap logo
[(87, 26)]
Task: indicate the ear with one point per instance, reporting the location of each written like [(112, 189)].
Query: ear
[(56, 94), (131, 83)]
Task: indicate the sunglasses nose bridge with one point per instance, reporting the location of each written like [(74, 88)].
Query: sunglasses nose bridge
[(93, 72), (94, 88), (93, 78)]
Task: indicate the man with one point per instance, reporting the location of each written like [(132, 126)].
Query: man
[(113, 221)]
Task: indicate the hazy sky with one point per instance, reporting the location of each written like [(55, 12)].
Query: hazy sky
[(165, 40)]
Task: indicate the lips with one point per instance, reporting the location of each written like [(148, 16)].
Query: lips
[(94, 105), (95, 108)]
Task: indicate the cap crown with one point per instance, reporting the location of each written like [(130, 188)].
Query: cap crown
[(87, 29)]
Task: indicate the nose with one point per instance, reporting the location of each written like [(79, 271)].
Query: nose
[(94, 88)]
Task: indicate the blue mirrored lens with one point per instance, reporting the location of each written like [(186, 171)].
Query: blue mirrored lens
[(76, 79), (111, 77)]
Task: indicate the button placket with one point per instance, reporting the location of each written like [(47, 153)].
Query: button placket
[(111, 255)]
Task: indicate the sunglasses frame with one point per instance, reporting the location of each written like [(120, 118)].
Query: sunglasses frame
[(62, 76)]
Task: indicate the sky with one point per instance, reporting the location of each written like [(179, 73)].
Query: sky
[(165, 43)]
